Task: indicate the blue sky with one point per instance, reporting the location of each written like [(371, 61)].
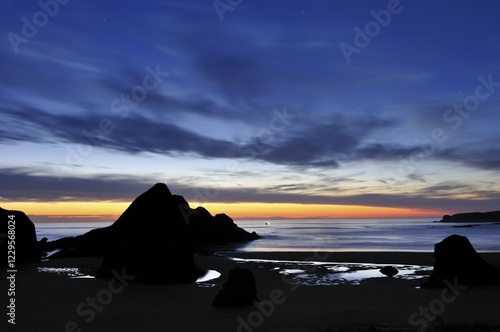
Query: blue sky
[(261, 106)]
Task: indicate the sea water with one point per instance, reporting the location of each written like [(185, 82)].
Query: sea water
[(366, 235), (332, 234), (418, 235), (314, 273)]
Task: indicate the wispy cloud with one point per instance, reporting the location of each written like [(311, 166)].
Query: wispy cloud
[(20, 185)]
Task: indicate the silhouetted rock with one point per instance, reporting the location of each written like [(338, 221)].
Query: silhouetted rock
[(150, 241), (389, 271), (26, 246), (93, 243), (151, 262), (156, 209), (458, 263), (493, 216), (155, 215), (153, 239), (238, 290), (205, 229)]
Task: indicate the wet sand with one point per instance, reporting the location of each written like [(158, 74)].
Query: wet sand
[(47, 301)]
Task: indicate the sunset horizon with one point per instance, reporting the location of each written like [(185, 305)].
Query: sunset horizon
[(68, 210)]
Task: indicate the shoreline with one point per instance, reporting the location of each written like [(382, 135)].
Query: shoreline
[(48, 301), (375, 257)]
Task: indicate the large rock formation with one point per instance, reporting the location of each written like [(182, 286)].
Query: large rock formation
[(458, 263), (156, 212), (153, 262), (493, 216), (150, 240), (153, 240), (26, 246), (238, 290), (205, 229)]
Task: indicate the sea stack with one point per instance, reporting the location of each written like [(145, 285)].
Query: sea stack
[(154, 239), (23, 231), (150, 241), (458, 263)]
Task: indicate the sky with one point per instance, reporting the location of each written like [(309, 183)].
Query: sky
[(259, 109)]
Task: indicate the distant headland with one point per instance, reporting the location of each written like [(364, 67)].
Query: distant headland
[(492, 216)]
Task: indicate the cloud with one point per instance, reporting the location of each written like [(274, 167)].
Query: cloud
[(134, 134), (326, 142), (304, 142), (307, 142), (21, 185), (483, 155)]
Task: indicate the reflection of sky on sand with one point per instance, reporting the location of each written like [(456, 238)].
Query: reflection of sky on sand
[(79, 273), (210, 275), (310, 273), (70, 272)]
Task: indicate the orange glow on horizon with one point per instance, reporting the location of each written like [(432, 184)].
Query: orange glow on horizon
[(235, 210), (87, 209), (316, 211)]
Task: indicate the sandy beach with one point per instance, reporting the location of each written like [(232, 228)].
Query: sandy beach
[(48, 301)]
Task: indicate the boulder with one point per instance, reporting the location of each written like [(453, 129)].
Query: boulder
[(26, 245), (389, 271), (458, 262), (238, 290)]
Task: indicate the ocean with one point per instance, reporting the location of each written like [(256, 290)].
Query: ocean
[(332, 234)]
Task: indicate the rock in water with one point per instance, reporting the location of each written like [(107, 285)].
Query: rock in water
[(26, 246), (238, 290), (205, 229), (389, 271), (150, 241), (155, 213), (154, 238), (458, 263)]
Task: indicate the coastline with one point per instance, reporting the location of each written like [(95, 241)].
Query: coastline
[(49, 301), (377, 257)]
